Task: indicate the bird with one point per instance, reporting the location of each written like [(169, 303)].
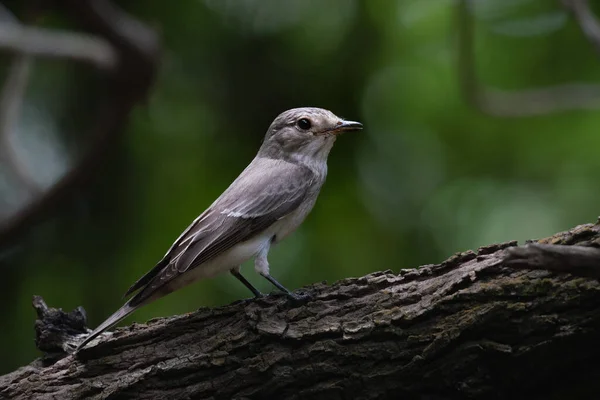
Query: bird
[(263, 205)]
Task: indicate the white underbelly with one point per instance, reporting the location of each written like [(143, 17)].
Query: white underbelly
[(237, 255), (291, 222), (244, 251)]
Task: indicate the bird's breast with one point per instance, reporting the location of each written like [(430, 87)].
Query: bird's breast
[(290, 222)]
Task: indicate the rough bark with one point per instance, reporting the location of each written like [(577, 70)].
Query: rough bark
[(471, 327)]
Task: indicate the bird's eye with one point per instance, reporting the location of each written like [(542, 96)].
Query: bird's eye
[(304, 124)]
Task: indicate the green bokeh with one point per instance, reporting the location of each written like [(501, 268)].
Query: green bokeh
[(429, 175)]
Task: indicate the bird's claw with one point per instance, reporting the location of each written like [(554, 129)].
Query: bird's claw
[(300, 298)]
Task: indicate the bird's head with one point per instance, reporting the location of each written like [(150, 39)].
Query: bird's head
[(306, 133)]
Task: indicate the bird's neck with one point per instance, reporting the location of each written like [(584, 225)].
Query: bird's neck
[(316, 163)]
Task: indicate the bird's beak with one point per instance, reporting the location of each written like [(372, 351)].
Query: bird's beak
[(344, 126)]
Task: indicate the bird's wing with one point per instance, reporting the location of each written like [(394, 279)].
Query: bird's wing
[(265, 192)]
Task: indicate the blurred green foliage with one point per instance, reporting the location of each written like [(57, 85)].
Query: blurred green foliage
[(429, 175)]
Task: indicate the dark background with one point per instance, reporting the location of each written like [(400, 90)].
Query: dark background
[(430, 175)]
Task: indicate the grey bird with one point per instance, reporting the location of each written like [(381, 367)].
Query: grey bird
[(266, 203)]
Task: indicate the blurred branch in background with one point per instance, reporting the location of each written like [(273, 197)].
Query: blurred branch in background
[(585, 18), (11, 100), (56, 44), (525, 102), (120, 46)]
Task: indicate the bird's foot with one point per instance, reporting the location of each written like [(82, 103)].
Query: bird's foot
[(299, 298)]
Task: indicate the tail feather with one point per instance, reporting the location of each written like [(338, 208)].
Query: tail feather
[(110, 321), (144, 280)]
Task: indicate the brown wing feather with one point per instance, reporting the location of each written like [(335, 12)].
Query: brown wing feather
[(252, 203)]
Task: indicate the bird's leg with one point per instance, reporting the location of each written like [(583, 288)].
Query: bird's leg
[(261, 265), (236, 272)]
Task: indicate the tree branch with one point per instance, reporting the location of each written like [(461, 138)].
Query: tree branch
[(51, 43), (470, 327), (576, 260), (11, 102), (138, 52)]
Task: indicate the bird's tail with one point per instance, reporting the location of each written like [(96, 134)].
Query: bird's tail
[(110, 321)]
